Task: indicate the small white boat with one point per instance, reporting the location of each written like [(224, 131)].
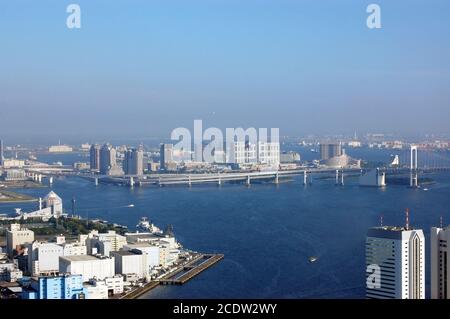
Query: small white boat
[(312, 259), (131, 205)]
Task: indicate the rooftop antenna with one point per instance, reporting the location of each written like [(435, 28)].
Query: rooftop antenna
[(381, 220), (440, 220), (407, 219)]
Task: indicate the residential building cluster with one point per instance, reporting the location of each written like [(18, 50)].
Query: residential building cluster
[(94, 266), (238, 155), (104, 159)]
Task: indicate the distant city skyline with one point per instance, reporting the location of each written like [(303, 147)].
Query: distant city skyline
[(126, 138), (141, 69)]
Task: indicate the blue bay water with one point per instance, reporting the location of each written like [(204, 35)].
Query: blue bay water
[(266, 232)]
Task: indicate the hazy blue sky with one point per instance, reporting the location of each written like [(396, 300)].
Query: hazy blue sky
[(146, 67)]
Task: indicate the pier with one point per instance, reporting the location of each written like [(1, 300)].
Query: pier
[(192, 269), (179, 276), (134, 294)]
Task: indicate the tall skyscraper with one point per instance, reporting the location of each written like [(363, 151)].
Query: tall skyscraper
[(166, 155), (1, 153), (107, 159), (395, 261), (330, 149), (134, 161), (95, 157), (440, 270)]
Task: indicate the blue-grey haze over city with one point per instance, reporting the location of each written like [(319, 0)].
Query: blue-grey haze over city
[(142, 68)]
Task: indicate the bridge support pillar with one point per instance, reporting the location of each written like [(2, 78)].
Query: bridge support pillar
[(131, 181), (248, 182), (414, 177), (95, 181), (190, 182), (219, 181), (339, 178), (305, 178), (40, 178), (277, 181)]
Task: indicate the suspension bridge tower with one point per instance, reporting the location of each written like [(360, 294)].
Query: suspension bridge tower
[(414, 180)]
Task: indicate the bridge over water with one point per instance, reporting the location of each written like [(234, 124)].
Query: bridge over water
[(412, 161)]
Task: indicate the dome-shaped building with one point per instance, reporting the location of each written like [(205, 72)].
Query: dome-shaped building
[(53, 201)]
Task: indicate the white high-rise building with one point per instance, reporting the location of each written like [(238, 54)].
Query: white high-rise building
[(1, 152), (248, 153), (395, 261), (440, 270), (108, 161), (236, 153), (269, 153), (134, 161), (94, 158)]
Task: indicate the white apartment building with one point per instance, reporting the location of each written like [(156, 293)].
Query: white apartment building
[(98, 267), (236, 153), (395, 261), (248, 153), (440, 270), (17, 236)]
